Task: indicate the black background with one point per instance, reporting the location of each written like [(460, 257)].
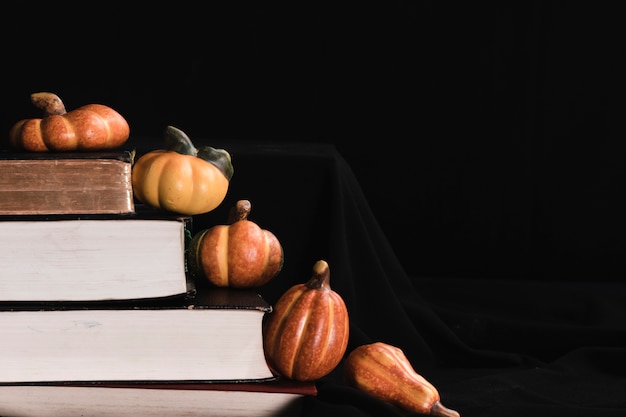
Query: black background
[(487, 138)]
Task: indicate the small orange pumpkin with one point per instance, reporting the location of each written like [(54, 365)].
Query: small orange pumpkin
[(181, 178), (239, 254), (88, 128), (306, 334)]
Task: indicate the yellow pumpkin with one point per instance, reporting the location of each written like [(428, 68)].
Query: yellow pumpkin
[(182, 179), (88, 128), (306, 334), (239, 254)]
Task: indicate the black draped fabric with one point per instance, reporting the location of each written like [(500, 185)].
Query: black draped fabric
[(491, 346)]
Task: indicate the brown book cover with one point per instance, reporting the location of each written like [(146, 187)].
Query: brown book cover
[(66, 183)]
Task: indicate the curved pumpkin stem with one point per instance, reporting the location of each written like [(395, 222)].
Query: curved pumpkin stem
[(50, 103), (176, 140), (218, 157), (239, 211), (321, 276)]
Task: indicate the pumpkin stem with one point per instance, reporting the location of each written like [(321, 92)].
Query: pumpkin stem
[(218, 157), (239, 211), (321, 276), (176, 140), (50, 103), (440, 410)]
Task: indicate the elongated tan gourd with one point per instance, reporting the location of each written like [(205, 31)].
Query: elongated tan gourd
[(383, 371)]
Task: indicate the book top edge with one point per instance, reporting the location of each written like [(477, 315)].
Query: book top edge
[(121, 155), (140, 211)]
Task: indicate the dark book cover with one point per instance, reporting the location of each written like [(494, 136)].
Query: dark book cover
[(272, 385), (199, 297)]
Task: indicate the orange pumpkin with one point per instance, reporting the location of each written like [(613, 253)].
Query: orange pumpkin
[(181, 178), (239, 254), (88, 128), (306, 334)]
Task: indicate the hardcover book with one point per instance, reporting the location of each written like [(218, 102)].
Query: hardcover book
[(214, 337), (66, 183), (278, 398), (93, 258)]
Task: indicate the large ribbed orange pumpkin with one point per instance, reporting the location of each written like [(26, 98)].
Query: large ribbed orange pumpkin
[(306, 334)]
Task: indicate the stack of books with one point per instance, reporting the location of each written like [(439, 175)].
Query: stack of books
[(98, 314)]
